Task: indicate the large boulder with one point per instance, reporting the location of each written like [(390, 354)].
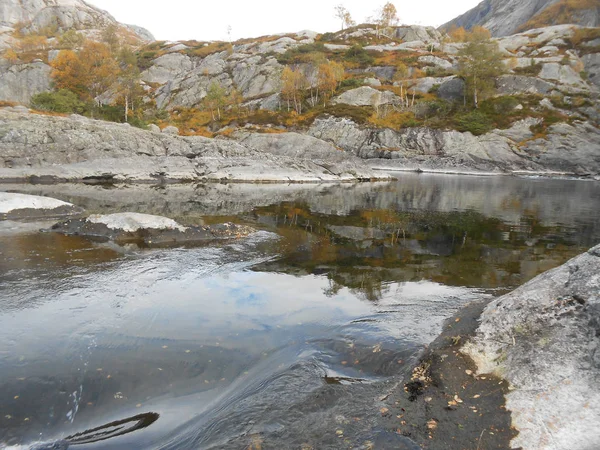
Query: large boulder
[(452, 89), (295, 145), (544, 339), (167, 67), (409, 33), (366, 96), (435, 61)]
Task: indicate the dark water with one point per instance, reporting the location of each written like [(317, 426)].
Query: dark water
[(287, 339)]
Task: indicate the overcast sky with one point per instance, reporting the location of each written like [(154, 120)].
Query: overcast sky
[(209, 19)]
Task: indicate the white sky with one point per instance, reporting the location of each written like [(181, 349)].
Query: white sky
[(209, 19)]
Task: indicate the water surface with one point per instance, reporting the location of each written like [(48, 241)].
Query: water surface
[(286, 339)]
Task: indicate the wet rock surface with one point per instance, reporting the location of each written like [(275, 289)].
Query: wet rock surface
[(445, 404), (147, 230), (544, 339), (23, 206)]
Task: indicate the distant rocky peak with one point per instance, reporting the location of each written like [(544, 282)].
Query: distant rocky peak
[(506, 17)]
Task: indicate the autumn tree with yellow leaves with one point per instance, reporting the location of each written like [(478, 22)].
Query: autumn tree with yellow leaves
[(294, 83)]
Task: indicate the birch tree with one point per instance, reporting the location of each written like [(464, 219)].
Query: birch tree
[(480, 63)]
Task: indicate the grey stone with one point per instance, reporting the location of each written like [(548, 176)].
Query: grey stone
[(435, 61), (141, 32), (568, 149), (52, 54), (561, 73), (336, 47), (20, 82), (171, 130), (410, 33), (153, 128), (544, 338), (366, 96), (372, 82), (167, 67), (382, 72), (452, 90), (518, 84), (592, 67), (35, 147)]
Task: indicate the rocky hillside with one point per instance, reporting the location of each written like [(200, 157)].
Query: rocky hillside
[(505, 17), (397, 96), (39, 17)]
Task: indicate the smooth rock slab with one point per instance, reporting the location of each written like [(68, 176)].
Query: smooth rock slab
[(23, 206), (147, 230), (544, 339)]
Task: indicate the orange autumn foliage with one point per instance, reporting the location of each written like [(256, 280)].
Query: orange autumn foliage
[(88, 73)]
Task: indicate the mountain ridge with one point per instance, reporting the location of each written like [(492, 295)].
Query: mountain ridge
[(506, 17)]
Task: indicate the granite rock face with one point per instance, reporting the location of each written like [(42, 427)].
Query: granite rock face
[(571, 149), (20, 82), (42, 148), (501, 17), (544, 339)]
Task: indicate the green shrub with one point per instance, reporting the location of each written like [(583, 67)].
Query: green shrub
[(500, 105), (301, 53), (358, 114), (351, 83), (531, 70), (436, 108), (359, 55), (477, 122), (327, 37), (63, 101)]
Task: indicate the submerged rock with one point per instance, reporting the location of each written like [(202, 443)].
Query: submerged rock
[(147, 230), (22, 206), (544, 339)]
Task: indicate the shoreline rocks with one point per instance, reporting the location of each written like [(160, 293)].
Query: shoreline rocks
[(147, 230), (544, 339), (567, 149), (43, 149), (23, 206)]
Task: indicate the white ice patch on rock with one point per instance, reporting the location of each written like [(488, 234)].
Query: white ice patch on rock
[(11, 202), (130, 222)]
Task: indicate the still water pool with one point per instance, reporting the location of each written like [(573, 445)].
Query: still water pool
[(277, 341)]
